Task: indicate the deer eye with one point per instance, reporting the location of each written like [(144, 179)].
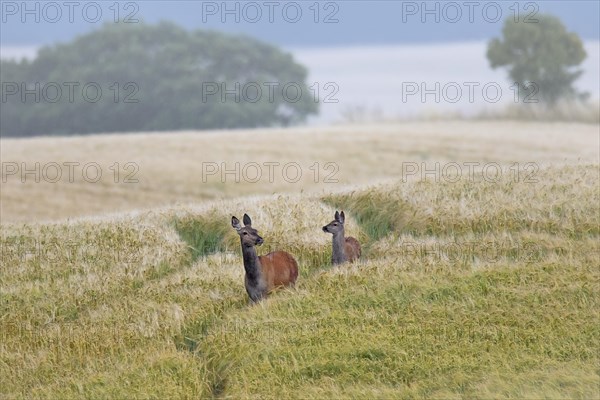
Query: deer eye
[(335, 224), (245, 233)]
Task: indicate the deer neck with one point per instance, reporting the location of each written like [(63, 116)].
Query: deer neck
[(251, 263), (339, 253)]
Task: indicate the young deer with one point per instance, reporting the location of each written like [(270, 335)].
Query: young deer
[(344, 249), (263, 273)]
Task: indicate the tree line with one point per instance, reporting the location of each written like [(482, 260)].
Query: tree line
[(143, 77)]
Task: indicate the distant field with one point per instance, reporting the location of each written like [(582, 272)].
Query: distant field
[(168, 167), (469, 287)]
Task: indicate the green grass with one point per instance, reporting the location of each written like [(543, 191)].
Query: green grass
[(378, 212), (381, 333), (154, 305), (204, 234)]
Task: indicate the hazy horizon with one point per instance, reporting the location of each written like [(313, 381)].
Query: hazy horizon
[(373, 77)]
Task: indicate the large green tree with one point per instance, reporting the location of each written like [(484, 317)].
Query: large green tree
[(153, 77), (541, 56)]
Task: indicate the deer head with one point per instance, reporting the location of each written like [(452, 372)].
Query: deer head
[(337, 225), (248, 235)]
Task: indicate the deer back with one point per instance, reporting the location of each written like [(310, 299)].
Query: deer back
[(279, 268), (352, 249)]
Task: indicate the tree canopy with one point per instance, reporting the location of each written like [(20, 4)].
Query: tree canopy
[(137, 77), (540, 55)]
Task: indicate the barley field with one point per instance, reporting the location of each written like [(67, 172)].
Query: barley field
[(470, 285), (94, 175)]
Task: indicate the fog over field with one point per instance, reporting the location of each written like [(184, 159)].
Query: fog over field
[(375, 77)]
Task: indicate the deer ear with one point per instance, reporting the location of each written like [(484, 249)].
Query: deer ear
[(342, 218), (247, 220), (235, 223), (337, 216)]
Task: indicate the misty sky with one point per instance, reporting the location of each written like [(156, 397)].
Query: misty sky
[(298, 24), (369, 50)]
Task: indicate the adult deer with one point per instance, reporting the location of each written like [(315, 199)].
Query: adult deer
[(263, 273), (344, 248)]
